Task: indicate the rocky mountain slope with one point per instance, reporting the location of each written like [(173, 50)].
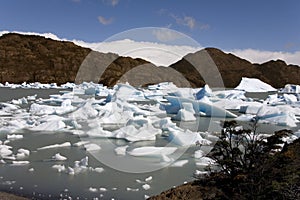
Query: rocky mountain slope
[(37, 59)]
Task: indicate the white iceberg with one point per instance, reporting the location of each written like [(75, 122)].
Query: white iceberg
[(204, 92), (186, 138), (254, 85), (291, 88), (152, 151), (65, 144), (175, 104), (59, 157), (179, 163), (121, 150), (186, 113), (133, 134)]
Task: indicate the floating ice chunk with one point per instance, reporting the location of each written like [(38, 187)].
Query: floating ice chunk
[(204, 92), (50, 126), (209, 109), (186, 138), (205, 161), (14, 137), (138, 121), (184, 115), (91, 189), (70, 171), (166, 159), (86, 111), (152, 151), (98, 131), (230, 94), (20, 101), (146, 186), (290, 98), (290, 88), (26, 152), (163, 123), (2, 161), (132, 189), (198, 154), (66, 144), (20, 162), (98, 169), (254, 85), (5, 150), (132, 134), (31, 169), (200, 173), (245, 118), (121, 150), (274, 115), (37, 109), (146, 196), (92, 147), (81, 143), (179, 163), (126, 92), (102, 189), (59, 157), (250, 109), (148, 179), (32, 98)]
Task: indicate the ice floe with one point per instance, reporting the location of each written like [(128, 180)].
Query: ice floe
[(152, 151), (254, 85), (62, 145)]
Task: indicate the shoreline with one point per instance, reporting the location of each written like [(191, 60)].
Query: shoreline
[(11, 196)]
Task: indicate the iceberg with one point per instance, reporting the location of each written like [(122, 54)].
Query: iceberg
[(126, 92), (185, 138), (58, 157), (179, 163), (121, 150), (66, 144), (186, 113), (92, 147), (204, 92), (133, 134), (290, 88), (254, 85), (175, 104), (50, 126), (152, 151), (268, 114)]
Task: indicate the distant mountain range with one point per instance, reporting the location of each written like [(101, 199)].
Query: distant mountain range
[(37, 59)]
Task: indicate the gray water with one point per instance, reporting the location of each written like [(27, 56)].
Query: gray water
[(46, 183)]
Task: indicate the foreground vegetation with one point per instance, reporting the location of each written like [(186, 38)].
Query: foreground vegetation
[(250, 165)]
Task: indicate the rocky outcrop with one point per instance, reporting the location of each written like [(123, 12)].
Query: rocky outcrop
[(231, 69), (28, 58)]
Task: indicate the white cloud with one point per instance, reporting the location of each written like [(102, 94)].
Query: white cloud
[(157, 53), (258, 56), (105, 21), (111, 2), (185, 21), (165, 35)]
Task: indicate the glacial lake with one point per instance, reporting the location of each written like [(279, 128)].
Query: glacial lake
[(40, 181)]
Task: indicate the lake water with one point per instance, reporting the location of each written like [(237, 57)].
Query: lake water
[(46, 183)]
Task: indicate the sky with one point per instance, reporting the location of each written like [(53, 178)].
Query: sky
[(233, 25)]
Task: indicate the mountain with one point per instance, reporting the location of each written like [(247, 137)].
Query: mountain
[(215, 66), (37, 59)]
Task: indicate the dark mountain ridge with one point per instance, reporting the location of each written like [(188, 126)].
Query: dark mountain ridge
[(28, 58)]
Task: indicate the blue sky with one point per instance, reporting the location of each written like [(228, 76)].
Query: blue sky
[(231, 24)]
